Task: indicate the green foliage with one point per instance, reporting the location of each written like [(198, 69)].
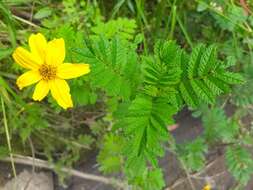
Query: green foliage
[(145, 122), (234, 16), (206, 77), (5, 53), (3, 151), (218, 126), (228, 16), (163, 71), (33, 121), (213, 119), (151, 180), (8, 19), (192, 154), (123, 27), (242, 94), (80, 14), (72, 8), (43, 13), (197, 78), (134, 92), (110, 157), (240, 163), (221, 129), (83, 94), (113, 66)]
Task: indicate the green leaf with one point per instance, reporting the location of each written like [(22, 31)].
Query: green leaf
[(123, 27), (202, 91), (43, 13), (234, 16), (82, 95), (110, 158), (202, 6), (163, 71), (188, 95), (145, 122), (113, 66), (4, 152), (194, 60), (193, 154), (206, 77), (240, 163), (213, 120), (208, 59), (218, 127), (166, 51), (213, 86), (8, 19), (154, 180), (230, 78), (230, 61), (25, 133), (5, 53)]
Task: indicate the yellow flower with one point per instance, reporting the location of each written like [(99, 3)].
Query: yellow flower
[(45, 64), (207, 187)]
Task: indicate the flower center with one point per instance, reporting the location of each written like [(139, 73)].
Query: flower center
[(47, 72)]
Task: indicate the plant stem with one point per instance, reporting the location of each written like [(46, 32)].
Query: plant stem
[(25, 21), (173, 21), (187, 37), (8, 138), (143, 22)]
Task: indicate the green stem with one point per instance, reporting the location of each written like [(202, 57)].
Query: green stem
[(8, 138), (142, 22), (140, 12), (187, 37), (172, 18), (173, 21)]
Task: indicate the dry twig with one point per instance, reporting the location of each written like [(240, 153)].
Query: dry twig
[(26, 160), (195, 176)]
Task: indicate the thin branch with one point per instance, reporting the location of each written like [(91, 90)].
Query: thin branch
[(187, 174), (26, 160), (207, 177), (195, 176), (25, 21), (33, 153)]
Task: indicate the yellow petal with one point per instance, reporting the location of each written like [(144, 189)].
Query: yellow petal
[(28, 78), (25, 59), (69, 71), (38, 45), (55, 53), (41, 90), (61, 93), (207, 187)]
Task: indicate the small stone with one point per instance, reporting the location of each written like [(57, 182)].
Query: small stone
[(27, 180)]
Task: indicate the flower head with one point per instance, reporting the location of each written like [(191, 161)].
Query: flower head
[(46, 68), (207, 187)]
